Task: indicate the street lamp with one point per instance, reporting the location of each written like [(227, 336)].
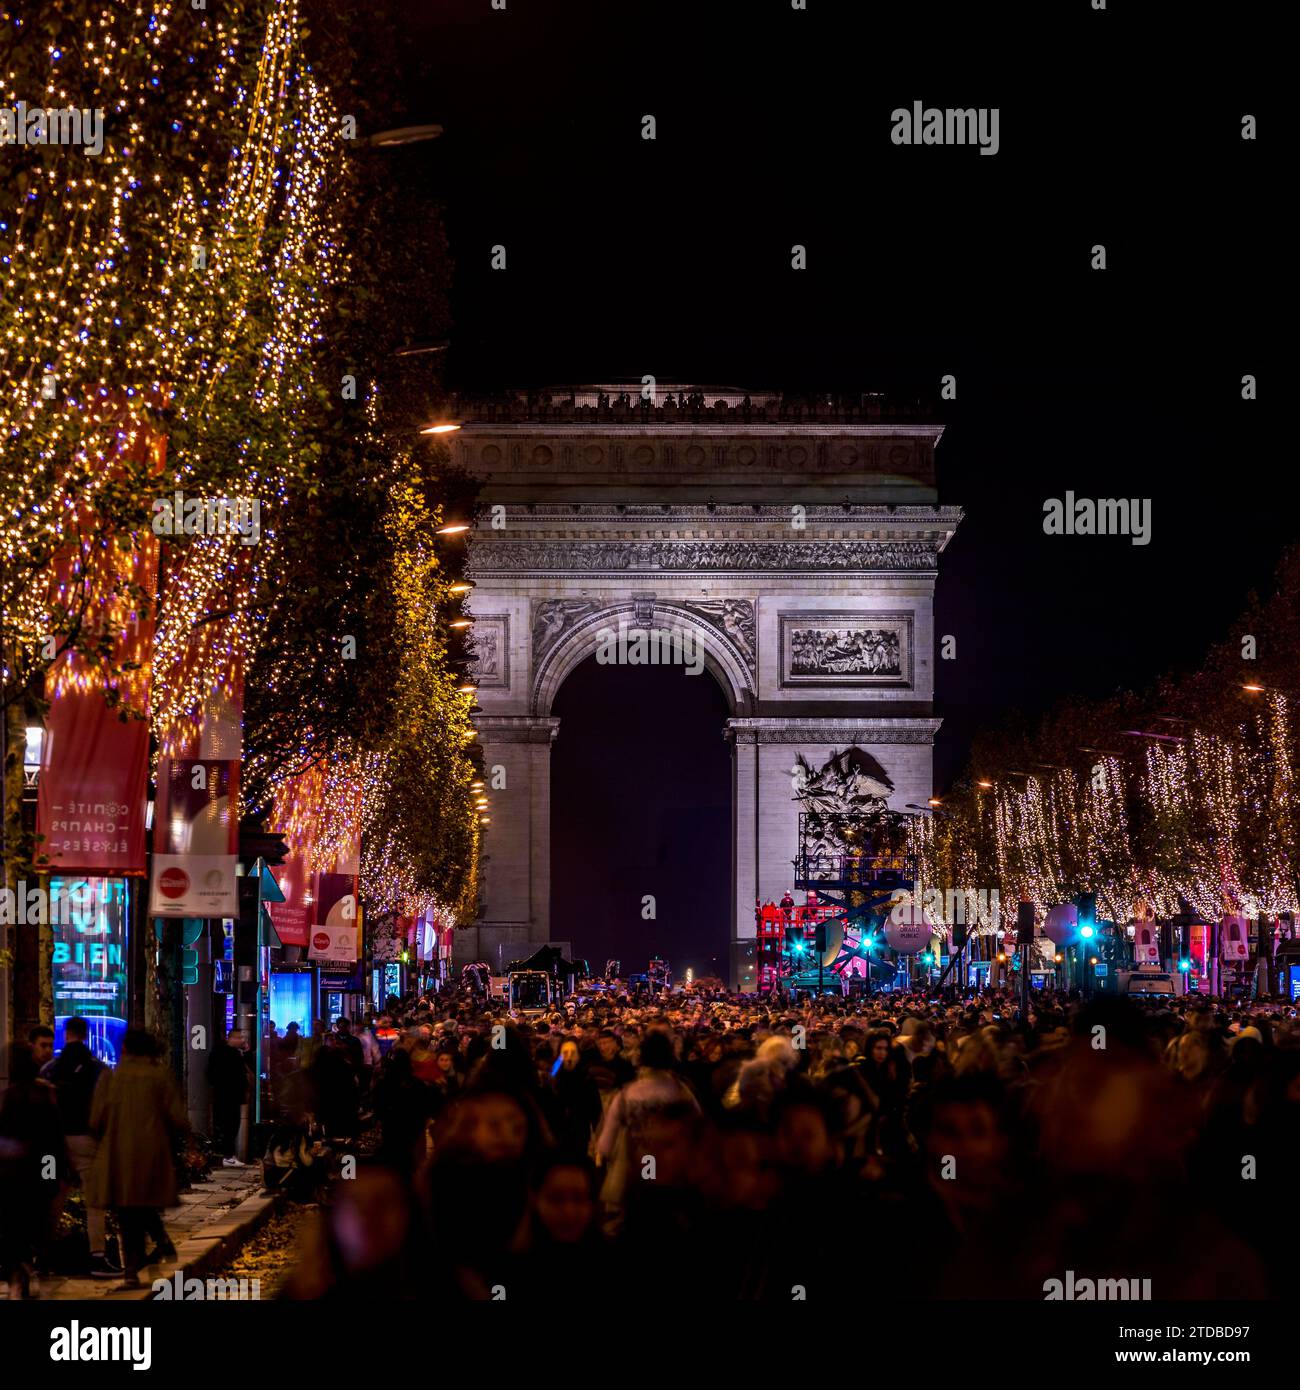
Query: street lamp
[(440, 429), (1258, 688), (419, 349), (404, 135)]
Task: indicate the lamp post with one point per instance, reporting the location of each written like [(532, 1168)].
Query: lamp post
[(403, 135), (1086, 932)]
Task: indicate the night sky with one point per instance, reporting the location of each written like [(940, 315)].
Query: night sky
[(673, 257)]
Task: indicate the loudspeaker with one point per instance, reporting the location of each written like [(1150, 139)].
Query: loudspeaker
[(958, 935), (1025, 924)]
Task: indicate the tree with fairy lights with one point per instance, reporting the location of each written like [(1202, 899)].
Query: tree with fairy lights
[(354, 660), (93, 234), (1180, 796), (178, 313)]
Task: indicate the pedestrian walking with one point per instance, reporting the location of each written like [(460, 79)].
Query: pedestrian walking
[(34, 1172), (575, 1109), (74, 1074), (137, 1116)]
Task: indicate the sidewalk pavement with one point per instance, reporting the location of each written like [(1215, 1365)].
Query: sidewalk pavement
[(213, 1220)]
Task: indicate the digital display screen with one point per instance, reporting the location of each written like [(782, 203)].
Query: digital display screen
[(90, 963), (290, 1000)]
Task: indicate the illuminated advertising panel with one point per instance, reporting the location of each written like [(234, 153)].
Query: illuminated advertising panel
[(91, 960)]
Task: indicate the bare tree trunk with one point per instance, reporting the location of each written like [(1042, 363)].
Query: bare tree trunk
[(164, 1005), (11, 839), (45, 962)]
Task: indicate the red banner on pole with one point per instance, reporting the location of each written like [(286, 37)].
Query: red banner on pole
[(95, 756), (196, 839), (292, 917)]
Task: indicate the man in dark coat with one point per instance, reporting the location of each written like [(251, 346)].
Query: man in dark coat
[(33, 1171), (228, 1075), (137, 1116), (334, 1090), (74, 1074)]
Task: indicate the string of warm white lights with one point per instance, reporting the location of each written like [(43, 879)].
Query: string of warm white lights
[(191, 284), (1218, 830), (163, 305), (276, 183), (425, 772), (88, 335)]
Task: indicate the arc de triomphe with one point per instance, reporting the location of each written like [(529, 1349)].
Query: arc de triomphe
[(797, 544)]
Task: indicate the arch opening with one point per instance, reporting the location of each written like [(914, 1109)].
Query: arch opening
[(641, 816)]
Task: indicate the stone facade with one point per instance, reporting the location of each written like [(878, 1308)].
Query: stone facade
[(798, 552)]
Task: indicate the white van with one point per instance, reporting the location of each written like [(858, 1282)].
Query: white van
[(1149, 984)]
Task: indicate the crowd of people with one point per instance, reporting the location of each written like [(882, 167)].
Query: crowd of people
[(114, 1130), (735, 1148), (720, 1147)]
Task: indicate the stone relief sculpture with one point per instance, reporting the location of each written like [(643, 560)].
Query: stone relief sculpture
[(828, 651), (488, 657), (844, 804), (553, 617), (846, 649), (492, 651), (735, 617)]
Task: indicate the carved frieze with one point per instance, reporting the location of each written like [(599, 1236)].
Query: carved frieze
[(908, 457), (814, 732), (511, 557)]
